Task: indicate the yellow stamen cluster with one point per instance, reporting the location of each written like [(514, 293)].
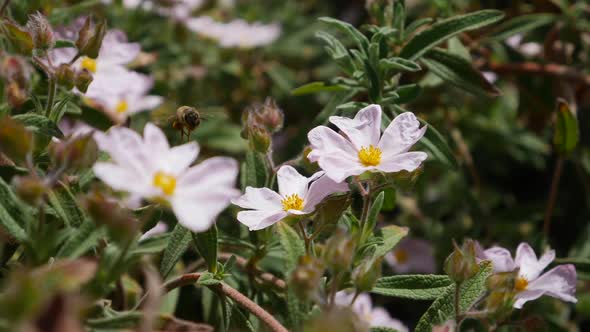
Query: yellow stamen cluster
[(370, 156), (520, 284), (122, 107), (401, 256), (165, 182), (88, 63), (292, 202)]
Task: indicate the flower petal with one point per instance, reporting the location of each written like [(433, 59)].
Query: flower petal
[(291, 182), (501, 259), (160, 228), (364, 129), (126, 148), (320, 189), (259, 199), (256, 220), (324, 140), (338, 167), (155, 139), (209, 175), (198, 210), (525, 296), (559, 282), (179, 158), (121, 178), (403, 132), (381, 318), (526, 260), (407, 161)]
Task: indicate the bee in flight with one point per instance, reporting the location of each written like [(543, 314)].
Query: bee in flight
[(186, 120)]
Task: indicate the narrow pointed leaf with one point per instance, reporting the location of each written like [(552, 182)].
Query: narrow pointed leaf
[(416, 287)]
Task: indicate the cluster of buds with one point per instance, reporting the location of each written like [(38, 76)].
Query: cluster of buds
[(338, 252), (16, 73), (462, 264), (306, 277), (502, 289), (77, 152), (90, 38), (107, 211), (260, 121), (365, 275)]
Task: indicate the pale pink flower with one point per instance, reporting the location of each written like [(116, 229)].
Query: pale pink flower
[(237, 33), (160, 228), (149, 168), (362, 148), (374, 316), (559, 282), (298, 195), (412, 256)]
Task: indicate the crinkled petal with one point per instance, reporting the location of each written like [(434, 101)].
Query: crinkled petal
[(338, 167), (320, 189), (559, 282), (324, 140), (256, 220), (407, 161), (526, 260), (403, 132), (291, 182), (259, 199), (364, 129), (501, 259)]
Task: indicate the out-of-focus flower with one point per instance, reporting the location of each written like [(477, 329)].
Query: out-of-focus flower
[(529, 49), (374, 316), (16, 72), (160, 228), (73, 128), (530, 284), (150, 168), (237, 33), (412, 256), (175, 9), (41, 31), (363, 148), (295, 197)]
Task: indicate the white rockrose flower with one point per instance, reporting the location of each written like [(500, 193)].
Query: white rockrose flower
[(237, 33), (374, 316), (362, 148), (412, 255), (149, 168), (298, 195)]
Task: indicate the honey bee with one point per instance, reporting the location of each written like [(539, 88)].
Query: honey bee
[(186, 120)]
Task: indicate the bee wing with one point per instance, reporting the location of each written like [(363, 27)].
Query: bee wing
[(214, 112), (163, 115)]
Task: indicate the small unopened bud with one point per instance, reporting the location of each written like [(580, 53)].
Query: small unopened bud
[(259, 138), (15, 69), (107, 211), (366, 274), (30, 189), (77, 152), (66, 76), (271, 115), (338, 252), (83, 80), (306, 276), (502, 281), (15, 95), (499, 303), (90, 38), (461, 264), (41, 31), (15, 140)]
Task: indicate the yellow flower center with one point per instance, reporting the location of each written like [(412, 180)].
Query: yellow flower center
[(165, 182), (292, 202), (122, 107), (401, 256), (88, 63), (370, 156), (520, 284)]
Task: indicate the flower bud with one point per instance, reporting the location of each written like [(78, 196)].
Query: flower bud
[(41, 31), (15, 69), (259, 138), (15, 140), (77, 152), (499, 303), (271, 115), (106, 211), (15, 95), (90, 38), (306, 276), (502, 281), (338, 252), (30, 189), (66, 76), (366, 274), (82, 80), (461, 264)]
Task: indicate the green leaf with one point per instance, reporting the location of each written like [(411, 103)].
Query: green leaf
[(61, 43), (382, 329), (124, 319), (19, 37), (399, 64), (64, 203), (255, 172), (206, 243), (152, 245), (315, 87), (442, 309), (294, 248), (458, 71), (566, 136), (372, 217), (445, 29), (389, 236), (9, 210), (360, 39), (82, 240), (330, 108), (208, 279), (337, 51), (39, 124), (407, 93), (178, 243), (520, 24), (416, 287)]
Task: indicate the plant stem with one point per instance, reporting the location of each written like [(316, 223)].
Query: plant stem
[(552, 195), (457, 307), (4, 6), (51, 96), (304, 236)]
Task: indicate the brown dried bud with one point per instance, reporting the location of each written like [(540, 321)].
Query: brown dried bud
[(461, 264), (66, 76), (15, 140), (366, 274), (83, 80), (90, 38), (15, 95), (41, 31), (15, 69), (306, 276), (77, 152), (30, 189)]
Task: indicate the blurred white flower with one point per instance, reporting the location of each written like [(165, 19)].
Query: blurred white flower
[(374, 316), (412, 256), (362, 147), (237, 33), (175, 9), (529, 49), (70, 127), (559, 282), (151, 169), (159, 228), (298, 195)]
